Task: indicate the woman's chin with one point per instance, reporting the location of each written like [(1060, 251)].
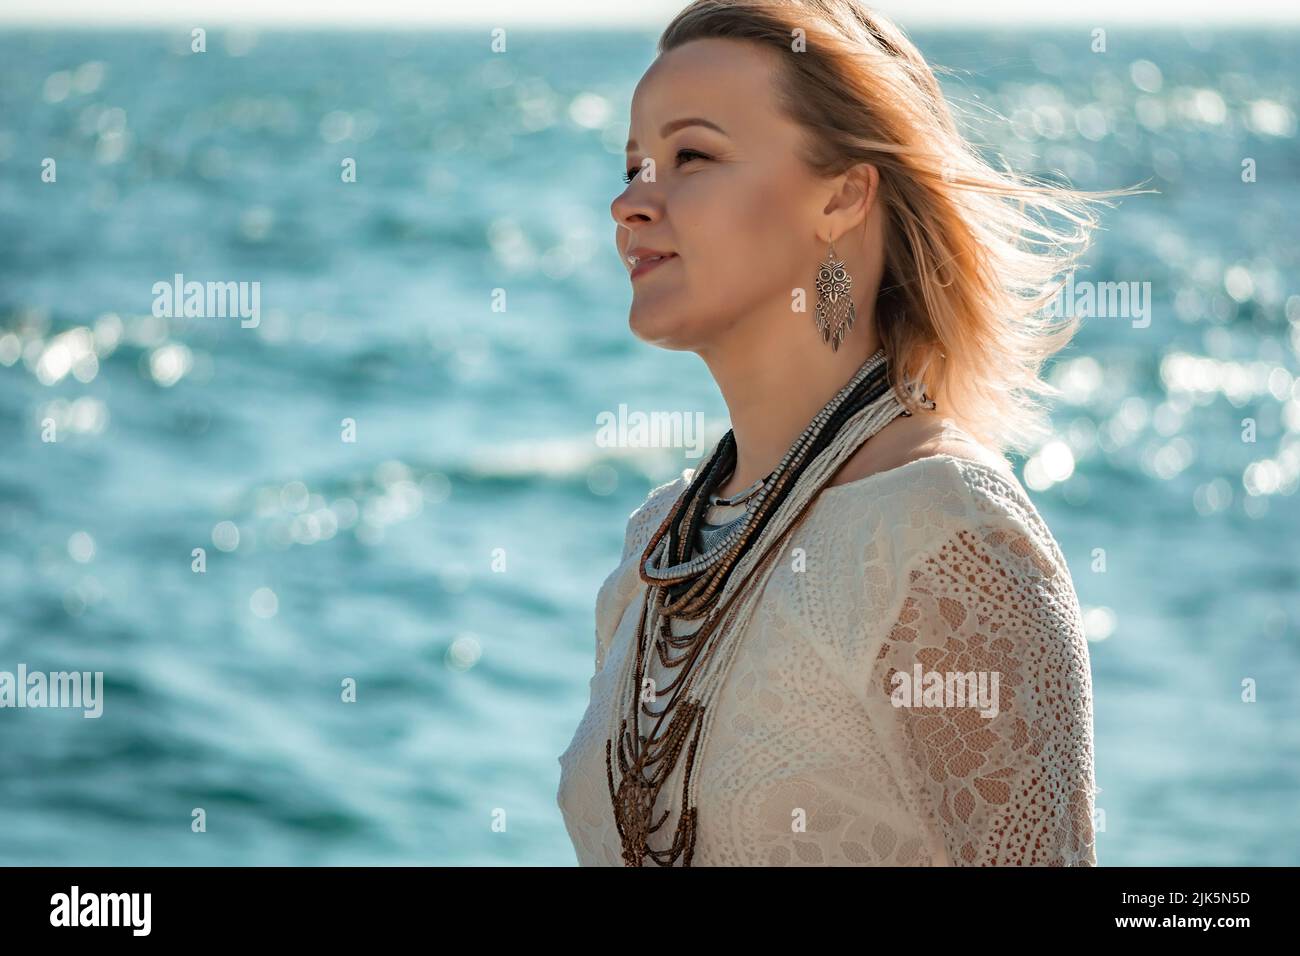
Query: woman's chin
[(661, 328)]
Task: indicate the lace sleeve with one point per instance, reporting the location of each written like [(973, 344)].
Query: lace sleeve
[(1004, 777)]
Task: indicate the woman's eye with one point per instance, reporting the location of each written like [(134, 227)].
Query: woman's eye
[(690, 153)]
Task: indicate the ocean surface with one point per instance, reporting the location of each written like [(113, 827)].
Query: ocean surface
[(446, 560)]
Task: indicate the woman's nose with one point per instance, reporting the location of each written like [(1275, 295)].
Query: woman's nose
[(634, 205)]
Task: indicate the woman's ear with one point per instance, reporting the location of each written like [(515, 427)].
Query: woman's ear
[(868, 177), (855, 197)]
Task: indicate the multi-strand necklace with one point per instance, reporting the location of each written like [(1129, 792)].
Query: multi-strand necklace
[(709, 534), (718, 586)]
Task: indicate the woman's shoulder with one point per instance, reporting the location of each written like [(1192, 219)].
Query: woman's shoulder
[(932, 464), (910, 438), (647, 516), (619, 586), (909, 511), (995, 499)]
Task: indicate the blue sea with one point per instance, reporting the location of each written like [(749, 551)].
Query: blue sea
[(395, 478)]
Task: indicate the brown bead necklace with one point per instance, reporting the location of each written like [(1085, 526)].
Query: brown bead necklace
[(718, 588)]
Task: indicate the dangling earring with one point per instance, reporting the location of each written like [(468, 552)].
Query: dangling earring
[(835, 310)]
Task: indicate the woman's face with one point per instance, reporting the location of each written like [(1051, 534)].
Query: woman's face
[(734, 204)]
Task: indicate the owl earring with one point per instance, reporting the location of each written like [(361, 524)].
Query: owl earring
[(835, 310)]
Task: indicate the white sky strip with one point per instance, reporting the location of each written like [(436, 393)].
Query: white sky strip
[(647, 14)]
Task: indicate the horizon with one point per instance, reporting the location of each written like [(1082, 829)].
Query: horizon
[(654, 14)]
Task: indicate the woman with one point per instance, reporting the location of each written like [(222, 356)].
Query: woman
[(848, 637)]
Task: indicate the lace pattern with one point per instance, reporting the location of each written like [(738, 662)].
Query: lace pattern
[(942, 563)]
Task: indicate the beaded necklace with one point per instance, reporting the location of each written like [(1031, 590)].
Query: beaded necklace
[(717, 586)]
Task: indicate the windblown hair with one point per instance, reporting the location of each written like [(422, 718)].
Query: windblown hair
[(973, 255)]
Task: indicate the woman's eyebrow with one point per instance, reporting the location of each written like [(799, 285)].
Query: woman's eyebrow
[(673, 126)]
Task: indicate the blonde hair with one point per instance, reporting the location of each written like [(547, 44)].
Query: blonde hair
[(972, 256)]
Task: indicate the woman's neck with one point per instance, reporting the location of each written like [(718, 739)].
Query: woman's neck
[(775, 384)]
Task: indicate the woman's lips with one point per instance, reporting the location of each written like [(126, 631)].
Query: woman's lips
[(643, 267)]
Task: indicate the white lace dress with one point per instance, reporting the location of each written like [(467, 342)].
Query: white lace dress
[(944, 563)]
